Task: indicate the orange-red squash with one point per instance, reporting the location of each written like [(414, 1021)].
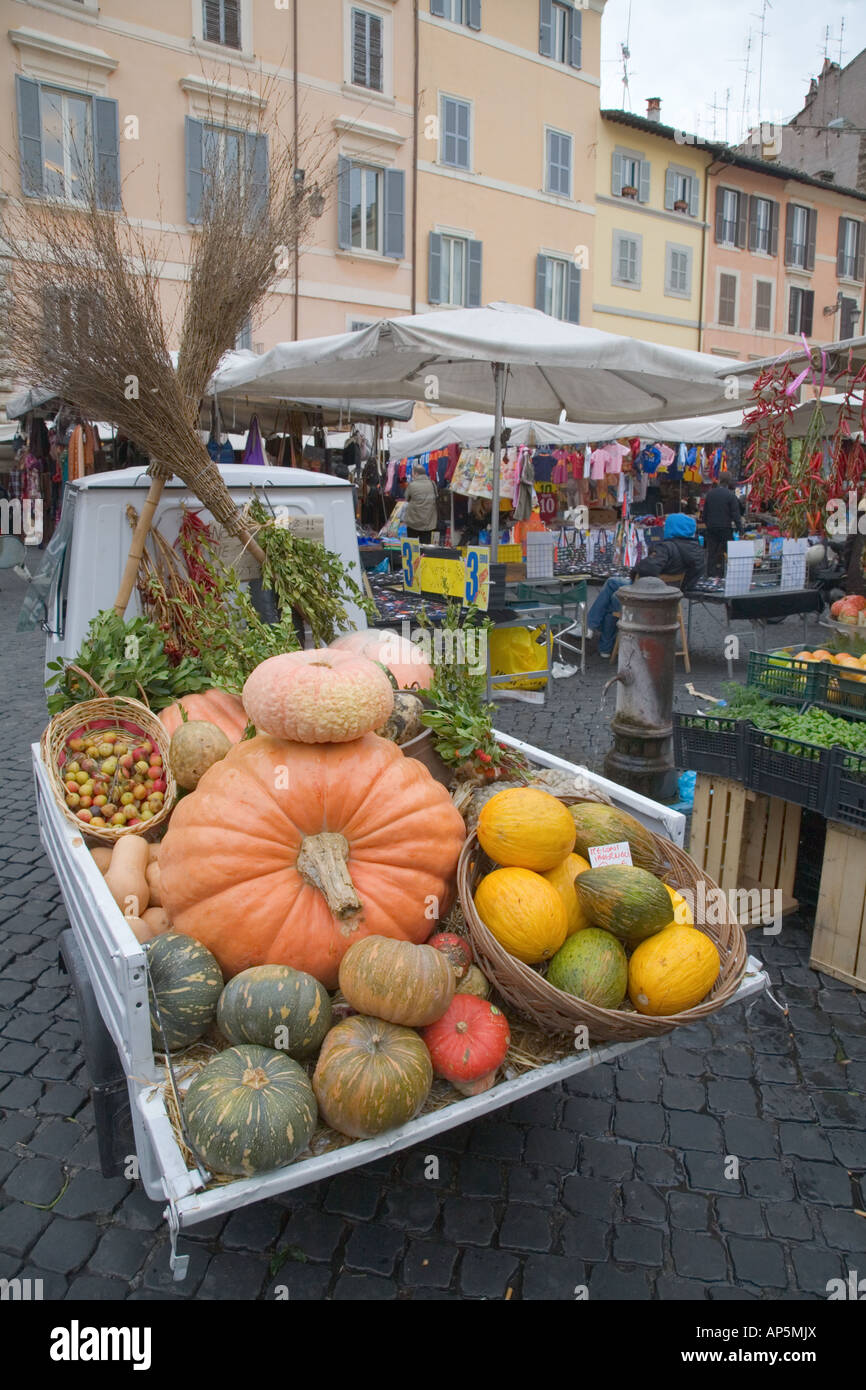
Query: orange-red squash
[(214, 706), (288, 853)]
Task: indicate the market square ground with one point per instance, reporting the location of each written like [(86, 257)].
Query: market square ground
[(616, 1182)]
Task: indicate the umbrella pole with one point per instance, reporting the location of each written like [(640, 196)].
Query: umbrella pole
[(498, 376), (451, 491)]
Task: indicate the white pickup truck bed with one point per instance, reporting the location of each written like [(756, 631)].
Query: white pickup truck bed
[(115, 967)]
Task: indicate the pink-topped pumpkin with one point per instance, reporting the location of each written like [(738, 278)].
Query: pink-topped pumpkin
[(404, 659), (321, 696)]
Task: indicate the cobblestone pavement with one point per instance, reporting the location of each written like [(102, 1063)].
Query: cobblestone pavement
[(616, 1182)]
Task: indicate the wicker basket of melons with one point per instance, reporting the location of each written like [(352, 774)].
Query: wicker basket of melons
[(625, 952)]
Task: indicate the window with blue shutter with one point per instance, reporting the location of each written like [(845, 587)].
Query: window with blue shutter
[(558, 177), (473, 289), (68, 144), (29, 135), (257, 173), (367, 33), (455, 139), (626, 269), (371, 214), (681, 190), (559, 32), (678, 271), (466, 12), (344, 204), (221, 22), (106, 139), (557, 288), (434, 269), (575, 44), (194, 146), (394, 242)]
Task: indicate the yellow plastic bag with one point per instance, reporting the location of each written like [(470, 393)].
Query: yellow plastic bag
[(517, 649)]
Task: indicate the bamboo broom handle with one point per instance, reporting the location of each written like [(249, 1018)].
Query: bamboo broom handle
[(136, 549)]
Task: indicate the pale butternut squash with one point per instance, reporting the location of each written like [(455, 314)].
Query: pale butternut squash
[(151, 873), (102, 857), (157, 920), (126, 875)]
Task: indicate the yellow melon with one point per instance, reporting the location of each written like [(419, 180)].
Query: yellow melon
[(562, 878), (523, 911), (526, 828), (683, 916), (672, 971)]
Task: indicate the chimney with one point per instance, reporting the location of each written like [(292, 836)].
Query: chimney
[(654, 108)]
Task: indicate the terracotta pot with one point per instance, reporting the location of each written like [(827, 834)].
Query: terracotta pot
[(421, 747)]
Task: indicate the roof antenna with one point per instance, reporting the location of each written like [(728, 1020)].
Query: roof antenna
[(625, 53), (746, 81), (766, 5)]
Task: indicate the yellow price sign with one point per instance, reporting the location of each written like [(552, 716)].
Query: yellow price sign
[(410, 551), (477, 572)]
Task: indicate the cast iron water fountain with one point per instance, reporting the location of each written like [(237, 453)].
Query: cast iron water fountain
[(642, 756)]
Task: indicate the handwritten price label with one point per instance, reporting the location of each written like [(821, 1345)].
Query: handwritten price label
[(602, 856)]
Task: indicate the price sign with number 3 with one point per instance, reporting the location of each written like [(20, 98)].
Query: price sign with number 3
[(477, 569), (411, 553)]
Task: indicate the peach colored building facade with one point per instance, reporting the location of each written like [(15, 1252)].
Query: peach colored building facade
[(785, 257), (489, 194)]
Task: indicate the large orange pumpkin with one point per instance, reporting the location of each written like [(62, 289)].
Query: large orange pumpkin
[(403, 658), (288, 853), (214, 706)]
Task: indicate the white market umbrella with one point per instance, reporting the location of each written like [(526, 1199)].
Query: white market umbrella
[(471, 359)]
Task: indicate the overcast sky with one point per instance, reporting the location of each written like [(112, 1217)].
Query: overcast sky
[(691, 54)]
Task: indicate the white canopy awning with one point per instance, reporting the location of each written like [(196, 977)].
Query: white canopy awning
[(446, 358), (474, 431)]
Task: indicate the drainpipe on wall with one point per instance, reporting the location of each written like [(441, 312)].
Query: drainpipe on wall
[(701, 306), (416, 98), (296, 247)]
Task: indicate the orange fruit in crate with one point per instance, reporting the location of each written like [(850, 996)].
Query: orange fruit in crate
[(821, 655)]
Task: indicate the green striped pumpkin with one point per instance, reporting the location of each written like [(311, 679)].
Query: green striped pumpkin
[(277, 1007), (187, 984), (250, 1110), (371, 1076)]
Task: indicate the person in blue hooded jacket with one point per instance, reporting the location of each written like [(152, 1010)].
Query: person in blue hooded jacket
[(676, 552)]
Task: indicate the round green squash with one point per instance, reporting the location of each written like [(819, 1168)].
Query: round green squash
[(591, 965), (629, 902), (276, 1007), (250, 1110), (187, 983), (371, 1076)]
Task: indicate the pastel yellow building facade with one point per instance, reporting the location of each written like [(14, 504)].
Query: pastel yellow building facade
[(506, 166), (649, 231)]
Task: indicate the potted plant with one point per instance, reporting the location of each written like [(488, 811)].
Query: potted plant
[(681, 205), (629, 190)]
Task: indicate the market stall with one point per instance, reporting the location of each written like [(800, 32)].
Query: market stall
[(476, 920)]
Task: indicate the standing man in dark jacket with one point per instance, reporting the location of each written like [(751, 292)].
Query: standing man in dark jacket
[(721, 519)]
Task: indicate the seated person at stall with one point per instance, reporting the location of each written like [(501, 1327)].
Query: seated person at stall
[(676, 552)]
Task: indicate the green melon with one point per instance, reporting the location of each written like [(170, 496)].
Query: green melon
[(598, 824), (592, 965), (186, 982), (630, 903), (276, 1007), (250, 1110)]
